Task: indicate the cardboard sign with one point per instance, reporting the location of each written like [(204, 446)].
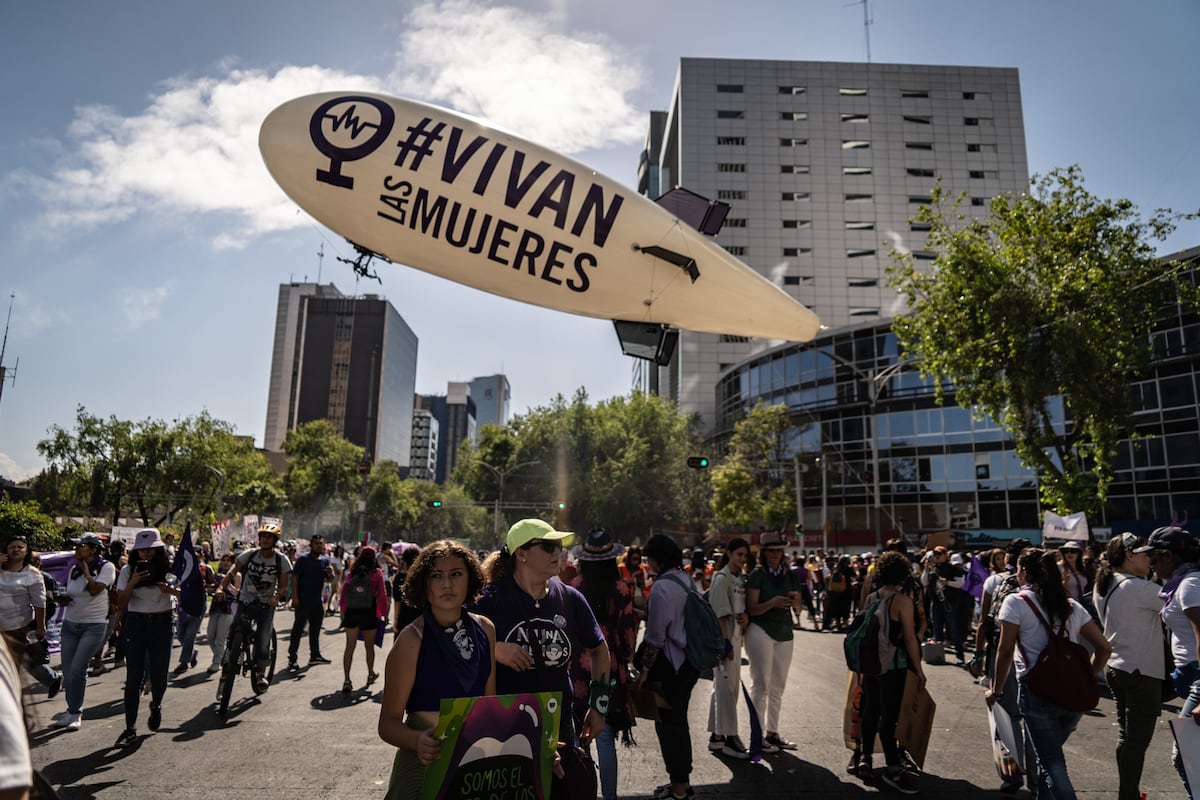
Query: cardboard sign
[(501, 746), (915, 724)]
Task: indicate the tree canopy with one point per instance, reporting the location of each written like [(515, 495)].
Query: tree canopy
[(1053, 294), (751, 486)]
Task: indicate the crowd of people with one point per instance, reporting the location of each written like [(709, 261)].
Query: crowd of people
[(603, 623)]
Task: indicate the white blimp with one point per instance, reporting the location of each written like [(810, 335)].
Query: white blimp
[(453, 196)]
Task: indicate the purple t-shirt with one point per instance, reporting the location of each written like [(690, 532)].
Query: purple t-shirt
[(561, 622)]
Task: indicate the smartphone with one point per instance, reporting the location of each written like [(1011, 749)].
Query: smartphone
[(143, 568)]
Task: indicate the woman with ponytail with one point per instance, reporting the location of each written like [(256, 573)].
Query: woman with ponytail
[(1128, 606), (1023, 637)]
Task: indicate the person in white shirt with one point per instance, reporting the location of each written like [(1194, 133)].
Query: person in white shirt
[(23, 609), (1128, 605)]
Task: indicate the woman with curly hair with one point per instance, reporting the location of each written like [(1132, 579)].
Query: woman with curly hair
[(1024, 618), (447, 652)]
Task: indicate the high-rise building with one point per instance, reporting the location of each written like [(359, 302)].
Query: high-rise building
[(454, 414), (423, 462), (349, 360), (491, 395), (824, 164)]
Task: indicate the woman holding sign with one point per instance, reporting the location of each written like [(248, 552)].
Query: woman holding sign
[(448, 652)]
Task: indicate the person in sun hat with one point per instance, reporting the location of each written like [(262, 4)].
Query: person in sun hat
[(541, 623), (611, 600), (772, 593)]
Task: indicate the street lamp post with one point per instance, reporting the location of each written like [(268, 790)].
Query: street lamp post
[(220, 488), (500, 474), (875, 379)]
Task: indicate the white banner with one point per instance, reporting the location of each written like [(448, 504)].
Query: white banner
[(1072, 528), (250, 530), (220, 538), (120, 533)]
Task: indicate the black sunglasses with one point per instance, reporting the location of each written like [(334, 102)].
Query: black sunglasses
[(548, 545)]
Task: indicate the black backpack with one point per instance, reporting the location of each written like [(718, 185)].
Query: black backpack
[(869, 646)]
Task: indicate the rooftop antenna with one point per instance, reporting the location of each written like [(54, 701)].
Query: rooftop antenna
[(320, 259), (868, 21), (6, 373)]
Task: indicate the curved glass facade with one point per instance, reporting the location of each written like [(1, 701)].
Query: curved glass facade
[(939, 468)]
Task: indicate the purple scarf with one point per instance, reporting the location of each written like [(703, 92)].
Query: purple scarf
[(94, 567), (1181, 572), (461, 645)]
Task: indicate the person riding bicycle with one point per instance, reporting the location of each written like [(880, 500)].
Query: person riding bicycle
[(264, 586)]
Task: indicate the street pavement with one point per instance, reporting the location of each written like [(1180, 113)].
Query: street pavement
[(306, 738)]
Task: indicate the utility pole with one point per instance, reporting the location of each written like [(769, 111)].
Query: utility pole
[(6, 373)]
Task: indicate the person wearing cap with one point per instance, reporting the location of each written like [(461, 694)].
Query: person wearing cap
[(23, 610), (772, 594), (147, 597), (541, 623), (85, 622), (364, 603), (1128, 605), (265, 574), (611, 601), (949, 597), (1174, 555)]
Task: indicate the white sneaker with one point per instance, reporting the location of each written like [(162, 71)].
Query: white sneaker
[(73, 722), (59, 719)]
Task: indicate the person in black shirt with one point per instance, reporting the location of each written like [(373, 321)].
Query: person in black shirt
[(309, 574)]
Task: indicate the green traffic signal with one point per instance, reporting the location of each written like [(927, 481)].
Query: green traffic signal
[(435, 503), (561, 506), (697, 462)]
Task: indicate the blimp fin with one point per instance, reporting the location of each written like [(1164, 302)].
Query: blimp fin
[(685, 263)]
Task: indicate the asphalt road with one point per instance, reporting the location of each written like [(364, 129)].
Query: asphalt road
[(306, 738)]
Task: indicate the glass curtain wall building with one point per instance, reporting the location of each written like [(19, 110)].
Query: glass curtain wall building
[(939, 467)]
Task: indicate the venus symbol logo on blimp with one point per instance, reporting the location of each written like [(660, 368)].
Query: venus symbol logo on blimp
[(347, 129)]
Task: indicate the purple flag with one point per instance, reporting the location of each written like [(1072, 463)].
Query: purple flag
[(976, 575), (756, 733), (186, 567)]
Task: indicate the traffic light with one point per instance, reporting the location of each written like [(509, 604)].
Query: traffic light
[(697, 462), (800, 529), (561, 506), (435, 503)]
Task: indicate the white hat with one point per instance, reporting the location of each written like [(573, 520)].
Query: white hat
[(146, 538), (956, 559)]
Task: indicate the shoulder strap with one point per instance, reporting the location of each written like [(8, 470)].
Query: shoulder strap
[(687, 585), (1042, 619)]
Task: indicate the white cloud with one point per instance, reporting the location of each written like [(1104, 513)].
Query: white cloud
[(194, 148), (519, 70), (30, 317), (13, 471), (143, 305)]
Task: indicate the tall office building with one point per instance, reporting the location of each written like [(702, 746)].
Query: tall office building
[(824, 164), (491, 395), (454, 414), (422, 464), (350, 360)]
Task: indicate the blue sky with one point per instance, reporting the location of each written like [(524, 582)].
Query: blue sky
[(144, 241)]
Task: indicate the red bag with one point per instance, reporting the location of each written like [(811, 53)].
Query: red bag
[(1062, 674)]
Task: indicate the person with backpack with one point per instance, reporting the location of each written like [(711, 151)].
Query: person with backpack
[(895, 651), (662, 660), (727, 596), (772, 592), (364, 602), (1045, 686), (1128, 605)]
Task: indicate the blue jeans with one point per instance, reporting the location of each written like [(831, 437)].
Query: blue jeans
[(1192, 700), (148, 640), (606, 759), (186, 629), (78, 641), (1047, 727), (264, 618)]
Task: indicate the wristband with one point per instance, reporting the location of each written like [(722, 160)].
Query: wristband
[(598, 695)]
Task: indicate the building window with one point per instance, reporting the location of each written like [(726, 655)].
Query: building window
[(735, 249), (730, 114), (976, 96), (860, 226), (852, 92), (918, 145), (793, 142), (796, 251), (793, 115), (979, 201), (856, 170), (731, 167), (914, 93), (731, 140), (791, 280), (985, 173), (924, 255), (855, 117), (862, 282), (794, 169), (855, 144), (920, 172), (862, 253), (920, 226), (858, 198), (792, 196), (731, 194), (729, 88), (735, 222), (923, 199), (792, 90), (981, 147), (977, 122), (729, 338), (864, 312), (919, 119), (797, 223)]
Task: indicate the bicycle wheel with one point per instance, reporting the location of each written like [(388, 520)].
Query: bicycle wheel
[(229, 669), (271, 669)]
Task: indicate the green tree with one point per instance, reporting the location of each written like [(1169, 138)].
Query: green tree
[(751, 485), (1054, 293), (322, 471), (27, 519)]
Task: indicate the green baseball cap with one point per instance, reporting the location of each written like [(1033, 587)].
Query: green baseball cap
[(528, 530)]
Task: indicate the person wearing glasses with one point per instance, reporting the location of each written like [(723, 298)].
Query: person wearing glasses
[(541, 623)]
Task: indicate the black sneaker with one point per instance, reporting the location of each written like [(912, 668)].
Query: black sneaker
[(715, 743), (777, 741), (293, 665), (260, 683), (900, 781), (319, 659), (866, 770), (155, 717), (127, 738), (734, 748), (855, 762), (664, 793)]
